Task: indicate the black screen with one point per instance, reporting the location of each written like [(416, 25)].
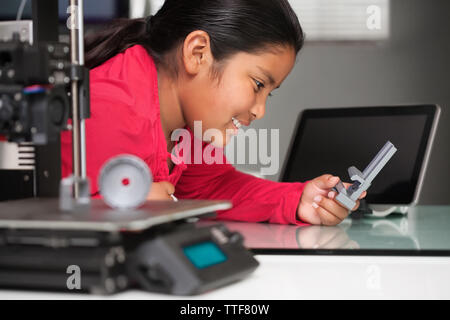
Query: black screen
[(331, 140)]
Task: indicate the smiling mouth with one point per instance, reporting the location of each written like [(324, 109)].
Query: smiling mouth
[(236, 123)]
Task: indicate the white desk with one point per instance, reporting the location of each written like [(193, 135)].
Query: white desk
[(303, 276), (314, 277)]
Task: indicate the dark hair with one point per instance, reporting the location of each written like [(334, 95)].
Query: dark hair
[(232, 25)]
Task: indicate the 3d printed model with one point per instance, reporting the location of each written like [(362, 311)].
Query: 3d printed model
[(363, 180)]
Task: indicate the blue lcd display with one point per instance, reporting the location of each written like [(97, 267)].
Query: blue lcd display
[(205, 254)]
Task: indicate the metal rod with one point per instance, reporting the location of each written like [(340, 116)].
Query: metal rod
[(81, 62), (76, 123)]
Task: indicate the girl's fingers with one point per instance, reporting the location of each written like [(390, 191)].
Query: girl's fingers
[(330, 211), (161, 191), (356, 206), (332, 195), (331, 206), (167, 187), (325, 181), (326, 217)]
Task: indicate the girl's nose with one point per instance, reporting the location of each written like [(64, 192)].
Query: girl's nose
[(258, 110)]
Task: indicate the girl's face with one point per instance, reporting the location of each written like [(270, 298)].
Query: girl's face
[(240, 92)]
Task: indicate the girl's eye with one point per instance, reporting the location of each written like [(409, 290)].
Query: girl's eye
[(260, 85)]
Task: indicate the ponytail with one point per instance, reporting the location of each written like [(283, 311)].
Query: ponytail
[(116, 38)]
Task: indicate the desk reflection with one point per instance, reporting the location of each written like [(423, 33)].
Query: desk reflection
[(324, 237), (366, 233)]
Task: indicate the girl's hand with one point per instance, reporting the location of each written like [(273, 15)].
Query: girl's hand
[(161, 191), (317, 204)]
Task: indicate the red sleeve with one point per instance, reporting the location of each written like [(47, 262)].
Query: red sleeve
[(254, 199)]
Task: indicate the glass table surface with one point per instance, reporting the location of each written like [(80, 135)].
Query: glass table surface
[(423, 230)]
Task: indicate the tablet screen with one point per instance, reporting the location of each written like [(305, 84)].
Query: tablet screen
[(332, 140)]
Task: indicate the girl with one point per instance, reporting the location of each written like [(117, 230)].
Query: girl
[(214, 61)]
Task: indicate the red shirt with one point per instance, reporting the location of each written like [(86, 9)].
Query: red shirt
[(125, 119)]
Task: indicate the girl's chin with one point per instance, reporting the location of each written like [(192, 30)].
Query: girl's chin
[(219, 138), (220, 141)]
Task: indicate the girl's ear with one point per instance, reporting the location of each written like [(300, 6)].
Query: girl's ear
[(196, 52)]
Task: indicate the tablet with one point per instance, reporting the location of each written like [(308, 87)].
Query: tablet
[(332, 140)]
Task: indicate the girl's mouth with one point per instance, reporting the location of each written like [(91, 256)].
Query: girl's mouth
[(237, 124)]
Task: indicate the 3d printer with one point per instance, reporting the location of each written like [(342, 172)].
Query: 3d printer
[(157, 247)]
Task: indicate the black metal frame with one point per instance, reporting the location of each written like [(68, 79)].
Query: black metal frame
[(48, 157)]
